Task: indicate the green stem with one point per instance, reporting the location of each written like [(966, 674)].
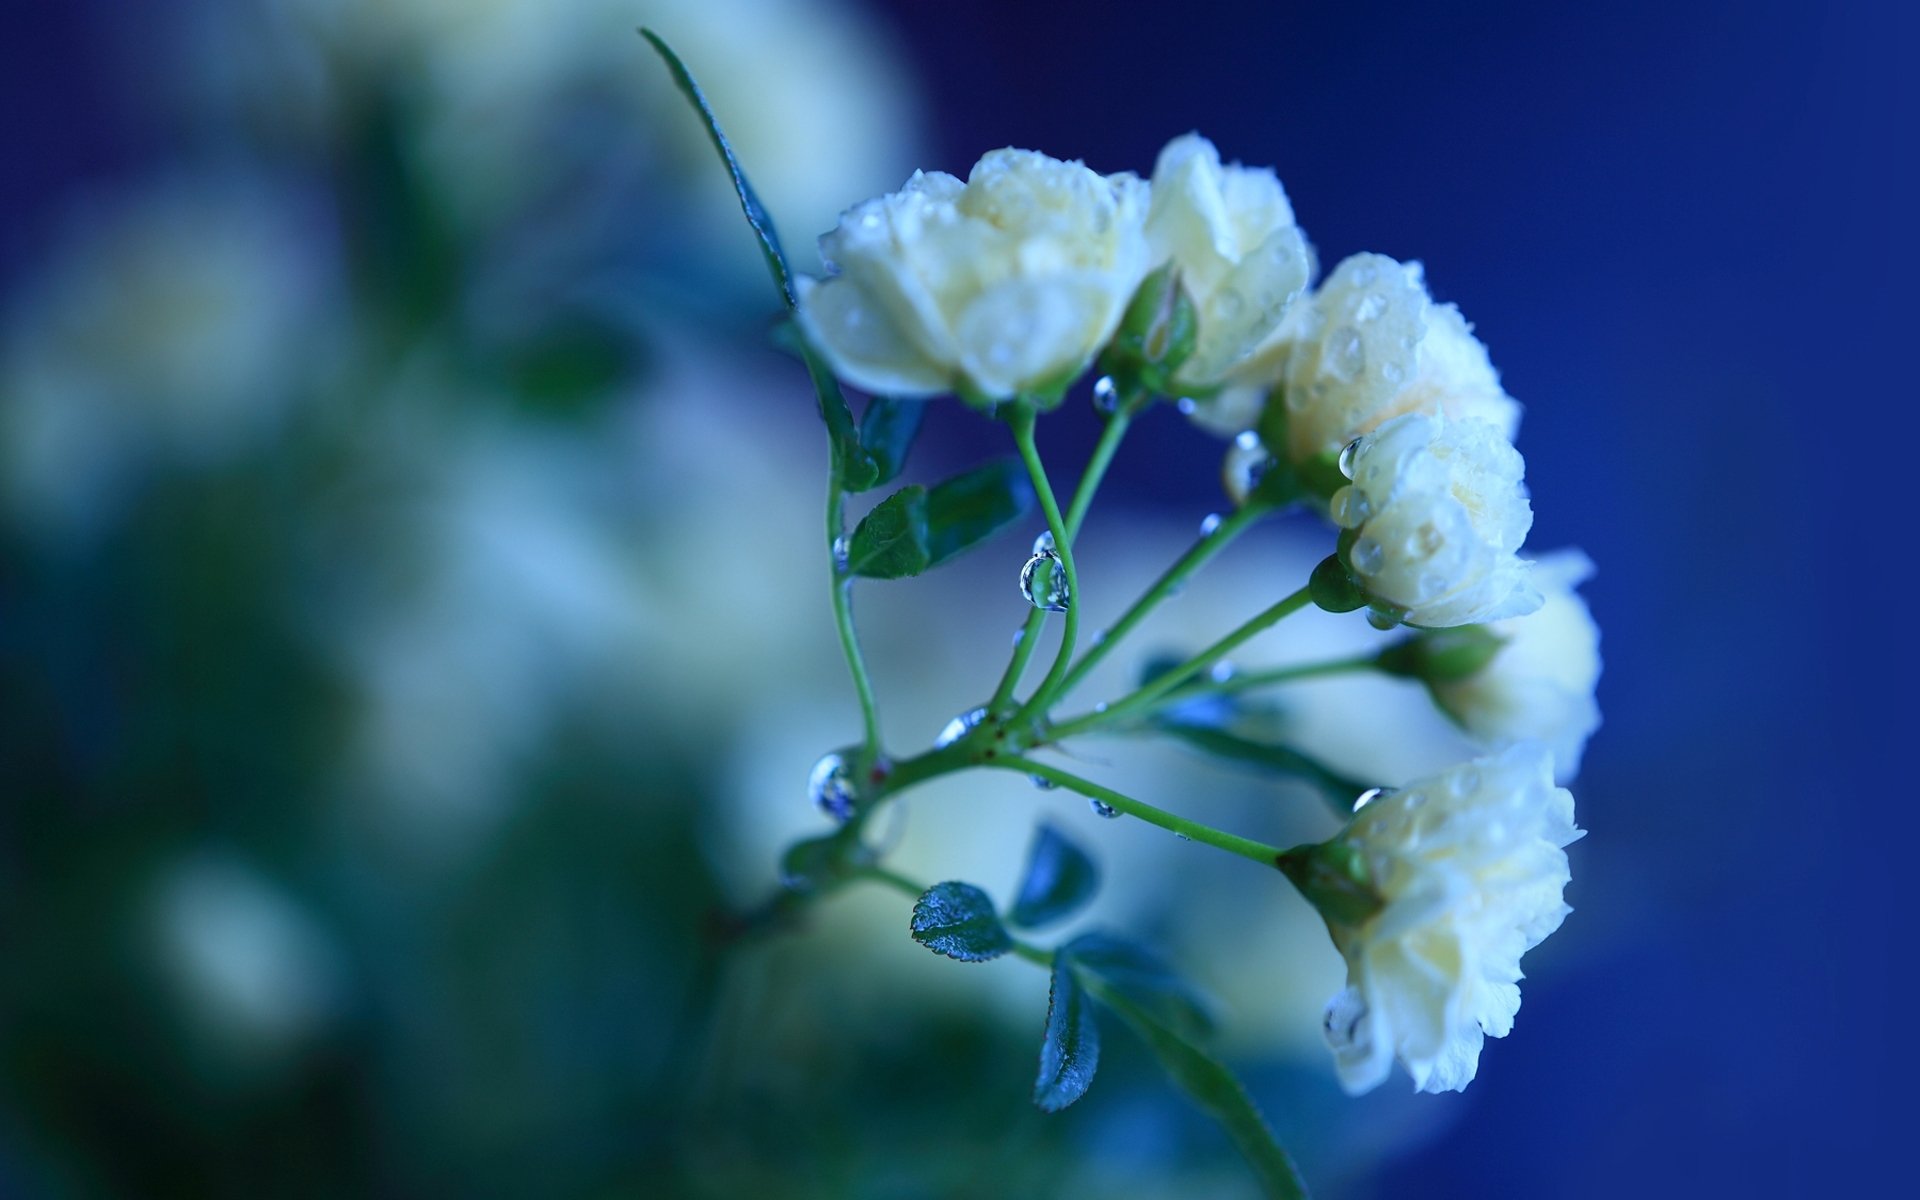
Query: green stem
[(850, 640), (1023, 421), (1259, 852), (1169, 582), (1144, 699), (1103, 452), (1247, 681)]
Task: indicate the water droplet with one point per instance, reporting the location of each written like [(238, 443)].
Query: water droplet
[(1183, 837), (1220, 672), (1043, 783), (1346, 457), (830, 784), (1369, 308), (1102, 809), (1044, 543), (1367, 556), (1464, 782), (1247, 462), (1345, 1021), (1043, 581), (1106, 394), (959, 727), (1348, 355), (1350, 508), (1369, 796), (1019, 635), (1100, 707), (1428, 538), (1187, 406), (1208, 524), (842, 546), (1382, 618)]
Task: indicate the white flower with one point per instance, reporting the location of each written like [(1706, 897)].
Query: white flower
[(1439, 509), (1006, 284), (1471, 867), (1539, 686), (1370, 345), (1230, 232)]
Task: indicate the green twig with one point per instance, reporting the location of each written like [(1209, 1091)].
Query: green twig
[(1259, 852)]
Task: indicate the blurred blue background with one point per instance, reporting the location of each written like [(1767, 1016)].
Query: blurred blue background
[(403, 658)]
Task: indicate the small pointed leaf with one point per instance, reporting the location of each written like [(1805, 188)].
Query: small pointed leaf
[(887, 432), (1070, 1050), (968, 509), (957, 920), (1058, 881), (891, 541), (1213, 1088), (852, 465), (1336, 789), (1138, 973)]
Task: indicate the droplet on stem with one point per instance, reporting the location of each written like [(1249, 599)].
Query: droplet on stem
[(959, 727), (830, 784)]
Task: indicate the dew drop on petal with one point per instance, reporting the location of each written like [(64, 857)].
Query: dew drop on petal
[(959, 727), (830, 784), (1368, 797), (1367, 556), (1346, 457)]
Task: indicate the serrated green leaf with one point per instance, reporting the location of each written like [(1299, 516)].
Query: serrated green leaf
[(891, 541), (1059, 879), (1146, 978), (887, 432), (968, 509), (1337, 790), (1070, 1049), (957, 920), (1208, 1083), (756, 212)]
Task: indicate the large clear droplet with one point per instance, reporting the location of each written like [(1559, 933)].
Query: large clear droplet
[(1043, 581), (830, 784), (1044, 543), (959, 727), (1367, 556), (1347, 456), (1246, 463), (1102, 809), (1383, 618), (1106, 394)]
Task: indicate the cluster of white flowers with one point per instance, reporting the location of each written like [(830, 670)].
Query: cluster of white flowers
[(1011, 285), (1470, 866)]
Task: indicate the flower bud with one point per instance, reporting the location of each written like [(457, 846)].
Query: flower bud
[(1156, 334)]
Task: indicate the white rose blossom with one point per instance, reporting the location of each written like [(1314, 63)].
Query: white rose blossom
[(1004, 285), (1369, 345), (1471, 867), (1230, 232), (1539, 685), (1439, 510)]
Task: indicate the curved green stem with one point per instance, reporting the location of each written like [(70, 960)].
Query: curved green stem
[(1259, 852), (1110, 438), (1022, 422), (1169, 582), (1247, 681), (849, 639), (1144, 699)]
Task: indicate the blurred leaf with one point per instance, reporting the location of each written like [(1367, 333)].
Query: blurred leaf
[(957, 920), (1442, 655), (1059, 879), (968, 509), (1212, 1087), (1070, 1049), (756, 212), (887, 432), (813, 864), (1136, 972), (891, 541), (565, 369), (1336, 789), (853, 467)]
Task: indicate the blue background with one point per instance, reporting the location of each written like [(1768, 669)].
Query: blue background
[(1686, 231)]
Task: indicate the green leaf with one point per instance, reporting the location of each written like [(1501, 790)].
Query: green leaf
[(957, 920), (1336, 789), (1058, 881), (1070, 1050), (968, 509), (1213, 1088), (818, 863), (887, 431), (853, 467), (1141, 975), (891, 541), (756, 213)]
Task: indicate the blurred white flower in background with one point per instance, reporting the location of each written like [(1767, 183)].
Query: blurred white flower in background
[(1471, 865), (1439, 510), (1540, 685), (1230, 232), (171, 328), (1006, 284)]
